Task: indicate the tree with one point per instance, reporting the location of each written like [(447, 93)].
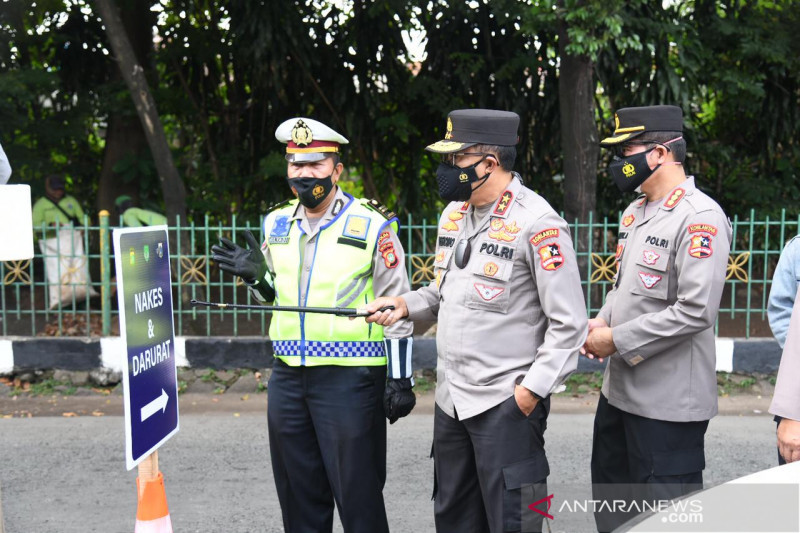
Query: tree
[(133, 74)]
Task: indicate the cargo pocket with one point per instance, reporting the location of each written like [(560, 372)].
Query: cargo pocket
[(489, 290), (652, 269), (676, 473), (525, 483)]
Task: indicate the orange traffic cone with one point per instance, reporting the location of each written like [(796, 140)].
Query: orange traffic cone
[(152, 515)]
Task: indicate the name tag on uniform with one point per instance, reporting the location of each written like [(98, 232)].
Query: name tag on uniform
[(279, 234)]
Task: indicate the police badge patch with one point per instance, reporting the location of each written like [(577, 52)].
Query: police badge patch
[(551, 257), (488, 293), (279, 234), (700, 247), (649, 280), (650, 257)]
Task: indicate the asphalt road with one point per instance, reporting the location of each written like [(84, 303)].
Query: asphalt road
[(66, 475)]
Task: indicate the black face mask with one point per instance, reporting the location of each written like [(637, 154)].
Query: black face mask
[(455, 183), (311, 191), (630, 172)]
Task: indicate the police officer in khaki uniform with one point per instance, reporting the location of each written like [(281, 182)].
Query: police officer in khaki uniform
[(657, 323), (328, 392), (511, 319), (786, 399)]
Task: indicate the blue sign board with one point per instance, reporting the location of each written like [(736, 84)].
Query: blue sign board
[(150, 377)]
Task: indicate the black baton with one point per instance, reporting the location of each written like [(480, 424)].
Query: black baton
[(338, 311)]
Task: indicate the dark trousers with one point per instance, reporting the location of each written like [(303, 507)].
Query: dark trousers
[(489, 468), (627, 449), (327, 436)]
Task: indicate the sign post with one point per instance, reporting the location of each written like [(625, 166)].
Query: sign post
[(150, 377)]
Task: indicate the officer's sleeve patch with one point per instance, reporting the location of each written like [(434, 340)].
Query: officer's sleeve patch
[(702, 228), (550, 256), (386, 249), (550, 233), (700, 245)]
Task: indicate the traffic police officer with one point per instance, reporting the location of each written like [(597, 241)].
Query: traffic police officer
[(786, 399), (657, 323), (328, 392), (511, 319)]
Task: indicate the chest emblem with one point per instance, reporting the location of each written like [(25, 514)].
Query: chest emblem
[(501, 231), (700, 246), (551, 258), (279, 234), (488, 293), (650, 257), (628, 220), (356, 227), (490, 269), (451, 225), (649, 280)]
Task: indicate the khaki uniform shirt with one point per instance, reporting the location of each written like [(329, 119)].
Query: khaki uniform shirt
[(662, 309), (514, 314), (386, 280), (786, 399)]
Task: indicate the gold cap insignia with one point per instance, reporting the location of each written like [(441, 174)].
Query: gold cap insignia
[(616, 121), (301, 134), (449, 133)]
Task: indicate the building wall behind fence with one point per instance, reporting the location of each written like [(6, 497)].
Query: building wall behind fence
[(25, 291)]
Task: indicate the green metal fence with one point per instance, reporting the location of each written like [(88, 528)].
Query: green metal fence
[(82, 299)]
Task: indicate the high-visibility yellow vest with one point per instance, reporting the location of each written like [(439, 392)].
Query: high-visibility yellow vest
[(340, 276)]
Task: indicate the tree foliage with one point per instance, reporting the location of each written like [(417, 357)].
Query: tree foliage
[(384, 73)]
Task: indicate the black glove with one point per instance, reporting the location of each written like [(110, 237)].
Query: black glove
[(249, 265), (398, 399)]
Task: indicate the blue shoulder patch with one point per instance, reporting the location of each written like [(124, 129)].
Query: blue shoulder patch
[(279, 234)]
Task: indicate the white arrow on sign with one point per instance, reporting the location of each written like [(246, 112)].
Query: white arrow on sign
[(153, 407)]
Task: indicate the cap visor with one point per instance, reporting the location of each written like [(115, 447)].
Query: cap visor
[(309, 157), (447, 147), (616, 139)]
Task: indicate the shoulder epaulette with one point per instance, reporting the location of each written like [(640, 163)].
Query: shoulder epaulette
[(375, 205), (284, 203), (702, 202)]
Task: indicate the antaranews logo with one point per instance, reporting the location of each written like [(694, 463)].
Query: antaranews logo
[(687, 511), (549, 500)]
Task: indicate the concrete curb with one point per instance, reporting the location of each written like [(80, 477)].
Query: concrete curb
[(226, 353)]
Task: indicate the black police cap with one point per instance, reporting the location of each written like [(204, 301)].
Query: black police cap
[(631, 122), (468, 127)]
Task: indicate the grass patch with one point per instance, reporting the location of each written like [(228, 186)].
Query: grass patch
[(584, 383), (423, 384)]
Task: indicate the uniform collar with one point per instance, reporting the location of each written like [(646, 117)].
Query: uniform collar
[(672, 199), (506, 200), (340, 201)]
